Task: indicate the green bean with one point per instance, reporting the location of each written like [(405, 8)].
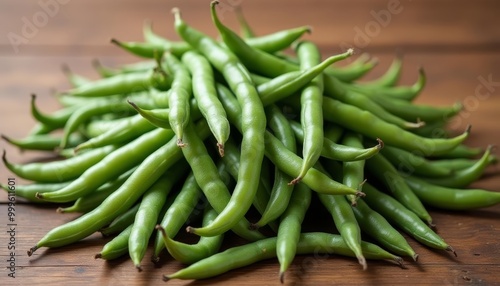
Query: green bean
[(376, 226), (247, 254), (74, 79), (410, 162), (122, 199), (149, 210), (232, 164), (178, 99), (290, 227), (121, 132), (339, 152), (91, 201), (151, 37), (253, 127), (96, 128), (464, 177), (191, 253), (111, 166), (81, 115), (206, 96), (277, 41), (246, 30), (141, 66), (355, 98), (57, 119), (461, 151), (121, 222), (311, 115), (411, 112), (284, 159), (116, 247), (28, 191), (353, 174), (58, 171), (373, 127), (213, 187), (178, 212), (389, 78), (452, 198), (153, 49), (403, 218), (459, 163), (289, 83), (282, 188), (123, 84), (43, 142), (353, 71), (403, 93), (344, 220), (386, 173)]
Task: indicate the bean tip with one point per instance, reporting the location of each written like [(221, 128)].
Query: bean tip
[(4, 137), (138, 267), (60, 210), (220, 147), (282, 277), (116, 42), (295, 181), (39, 195), (155, 259), (190, 229), (32, 250), (360, 194), (166, 278), (415, 257), (97, 256), (380, 144), (450, 249), (399, 261), (468, 129), (362, 262), (254, 226)]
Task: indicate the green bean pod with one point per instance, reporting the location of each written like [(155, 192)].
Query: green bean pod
[(149, 210), (389, 78), (74, 79), (376, 226), (122, 199), (178, 99), (284, 159), (282, 188), (56, 119), (191, 253), (386, 173), (116, 247), (121, 222), (29, 191), (311, 115), (464, 177), (120, 160), (452, 198), (339, 152), (153, 49), (411, 163), (460, 163), (345, 221), (247, 254), (290, 227), (91, 201), (403, 218), (373, 127), (206, 96), (178, 212), (59, 171), (44, 142), (121, 132)]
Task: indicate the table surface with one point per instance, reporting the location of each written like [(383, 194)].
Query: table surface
[(457, 43)]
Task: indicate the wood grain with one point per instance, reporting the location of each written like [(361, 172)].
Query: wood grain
[(455, 41)]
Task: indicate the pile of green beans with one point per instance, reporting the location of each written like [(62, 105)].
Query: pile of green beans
[(244, 134)]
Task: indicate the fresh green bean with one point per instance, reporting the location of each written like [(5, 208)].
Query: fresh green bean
[(403, 218), (149, 210), (191, 253), (116, 247), (59, 171)]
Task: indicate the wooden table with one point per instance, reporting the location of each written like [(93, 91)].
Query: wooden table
[(457, 42)]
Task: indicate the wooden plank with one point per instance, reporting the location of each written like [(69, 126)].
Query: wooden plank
[(375, 25)]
